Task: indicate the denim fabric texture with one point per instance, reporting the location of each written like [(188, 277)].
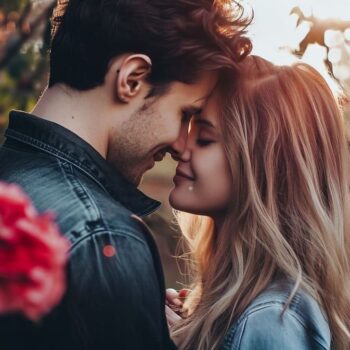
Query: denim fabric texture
[(264, 326), (114, 300)]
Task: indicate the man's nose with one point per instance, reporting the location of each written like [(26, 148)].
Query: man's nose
[(178, 147)]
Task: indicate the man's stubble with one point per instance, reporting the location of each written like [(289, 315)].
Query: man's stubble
[(129, 150)]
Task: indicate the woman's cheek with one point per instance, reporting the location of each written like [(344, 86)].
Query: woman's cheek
[(213, 180)]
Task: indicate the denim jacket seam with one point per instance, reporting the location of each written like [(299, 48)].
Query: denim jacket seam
[(95, 209), (234, 343), (12, 147), (95, 213), (241, 334), (91, 212), (258, 307), (314, 336), (265, 305), (102, 231), (294, 309), (294, 312), (54, 152)]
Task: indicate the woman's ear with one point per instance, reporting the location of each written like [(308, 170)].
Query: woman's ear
[(131, 76)]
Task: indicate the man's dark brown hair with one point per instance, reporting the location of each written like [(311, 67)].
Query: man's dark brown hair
[(182, 38)]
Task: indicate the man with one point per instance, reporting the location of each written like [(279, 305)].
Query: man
[(125, 79)]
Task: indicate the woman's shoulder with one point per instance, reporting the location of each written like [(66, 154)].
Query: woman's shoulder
[(264, 325)]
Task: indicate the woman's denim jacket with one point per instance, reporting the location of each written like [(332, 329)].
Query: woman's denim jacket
[(303, 326)]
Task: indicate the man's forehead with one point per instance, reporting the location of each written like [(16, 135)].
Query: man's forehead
[(192, 97), (199, 89), (201, 101)]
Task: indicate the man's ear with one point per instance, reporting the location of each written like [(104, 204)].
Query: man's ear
[(131, 76)]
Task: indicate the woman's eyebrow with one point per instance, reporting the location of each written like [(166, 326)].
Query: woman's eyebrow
[(205, 122)]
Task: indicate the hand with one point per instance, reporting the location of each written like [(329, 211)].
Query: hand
[(174, 305), (173, 299)]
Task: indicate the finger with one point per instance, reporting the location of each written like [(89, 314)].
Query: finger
[(172, 293), (172, 297)]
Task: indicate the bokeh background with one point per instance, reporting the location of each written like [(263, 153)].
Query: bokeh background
[(283, 31)]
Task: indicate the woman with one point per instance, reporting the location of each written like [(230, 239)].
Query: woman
[(266, 173)]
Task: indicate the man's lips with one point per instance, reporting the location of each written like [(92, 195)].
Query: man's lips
[(183, 174)]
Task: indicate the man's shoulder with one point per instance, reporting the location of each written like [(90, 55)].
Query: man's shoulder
[(81, 204), (102, 213), (95, 212), (116, 225)]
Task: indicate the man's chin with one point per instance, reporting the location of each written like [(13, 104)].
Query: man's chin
[(137, 178), (133, 176), (137, 182)]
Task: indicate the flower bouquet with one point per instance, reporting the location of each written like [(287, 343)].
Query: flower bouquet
[(33, 255)]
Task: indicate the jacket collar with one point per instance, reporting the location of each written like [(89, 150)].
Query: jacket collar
[(56, 140)]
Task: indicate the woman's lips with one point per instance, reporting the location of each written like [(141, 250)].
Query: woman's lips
[(181, 175)]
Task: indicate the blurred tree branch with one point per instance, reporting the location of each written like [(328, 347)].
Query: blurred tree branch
[(25, 35), (316, 34), (26, 28)]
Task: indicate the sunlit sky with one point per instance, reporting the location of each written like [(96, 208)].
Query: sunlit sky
[(274, 32)]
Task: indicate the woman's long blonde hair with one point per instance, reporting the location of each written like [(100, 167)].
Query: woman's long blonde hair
[(285, 137)]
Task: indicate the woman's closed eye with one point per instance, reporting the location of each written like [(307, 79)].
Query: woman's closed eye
[(203, 142)]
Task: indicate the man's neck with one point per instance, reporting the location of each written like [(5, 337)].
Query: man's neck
[(76, 111)]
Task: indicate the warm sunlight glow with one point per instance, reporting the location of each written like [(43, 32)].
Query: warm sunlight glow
[(335, 55), (333, 38), (347, 35), (273, 29), (323, 9), (276, 33)]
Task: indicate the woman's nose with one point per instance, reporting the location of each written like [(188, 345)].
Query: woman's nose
[(185, 156)]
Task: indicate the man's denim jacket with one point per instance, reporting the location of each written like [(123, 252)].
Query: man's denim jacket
[(262, 326), (115, 297)]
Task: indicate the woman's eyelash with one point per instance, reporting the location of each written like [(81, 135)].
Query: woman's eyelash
[(204, 142)]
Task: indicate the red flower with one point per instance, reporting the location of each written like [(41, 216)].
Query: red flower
[(33, 255)]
